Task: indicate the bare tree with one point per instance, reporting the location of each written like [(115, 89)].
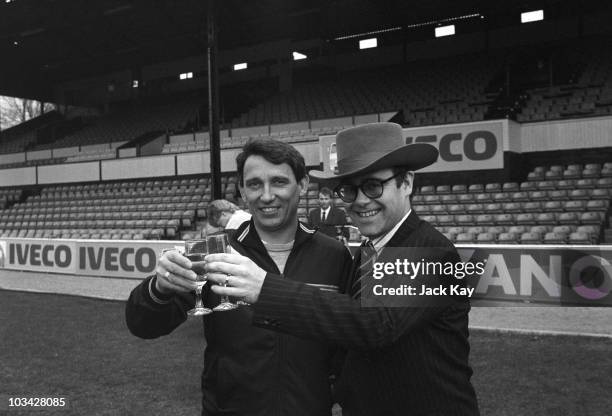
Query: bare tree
[(15, 110)]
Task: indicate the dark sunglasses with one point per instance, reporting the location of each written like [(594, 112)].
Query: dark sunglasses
[(372, 188)]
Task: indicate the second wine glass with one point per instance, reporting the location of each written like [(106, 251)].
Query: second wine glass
[(219, 243), (196, 250)]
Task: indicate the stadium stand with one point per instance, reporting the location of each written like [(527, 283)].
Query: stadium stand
[(428, 93), (166, 208), (549, 215), (20, 137), (560, 202), (127, 121), (586, 90)]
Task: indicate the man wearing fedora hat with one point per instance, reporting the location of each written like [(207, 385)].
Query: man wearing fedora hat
[(411, 359)]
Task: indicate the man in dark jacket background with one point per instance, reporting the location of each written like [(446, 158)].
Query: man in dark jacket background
[(327, 217), (250, 370)]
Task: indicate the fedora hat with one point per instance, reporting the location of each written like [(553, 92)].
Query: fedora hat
[(376, 146)]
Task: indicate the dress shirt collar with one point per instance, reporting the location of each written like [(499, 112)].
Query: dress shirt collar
[(326, 211), (380, 242)]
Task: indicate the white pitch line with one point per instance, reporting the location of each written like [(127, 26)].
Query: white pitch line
[(541, 332)]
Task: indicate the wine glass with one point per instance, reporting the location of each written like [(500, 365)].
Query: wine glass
[(218, 243), (196, 250)]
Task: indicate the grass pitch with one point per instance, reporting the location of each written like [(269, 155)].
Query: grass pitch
[(80, 349)]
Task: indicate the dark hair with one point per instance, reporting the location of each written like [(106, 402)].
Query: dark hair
[(401, 178), (326, 191), (401, 175), (275, 152)]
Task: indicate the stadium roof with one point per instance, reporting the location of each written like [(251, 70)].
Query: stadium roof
[(45, 42)]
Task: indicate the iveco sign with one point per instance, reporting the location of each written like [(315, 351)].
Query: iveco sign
[(465, 146), (468, 146)]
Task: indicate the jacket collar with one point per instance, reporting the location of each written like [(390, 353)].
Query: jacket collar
[(403, 232), (247, 235)]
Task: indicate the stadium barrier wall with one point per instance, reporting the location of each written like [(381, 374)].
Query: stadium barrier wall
[(18, 176), (128, 152), (250, 131), (277, 128), (523, 275), (193, 163), (69, 172), (139, 167), (542, 274), (182, 138), (203, 136), (331, 122), (583, 133), (366, 118), (39, 154), (65, 151), (12, 158)]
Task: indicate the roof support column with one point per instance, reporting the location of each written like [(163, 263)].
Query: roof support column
[(213, 102)]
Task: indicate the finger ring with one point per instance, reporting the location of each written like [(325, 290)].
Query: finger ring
[(167, 274), (226, 283)]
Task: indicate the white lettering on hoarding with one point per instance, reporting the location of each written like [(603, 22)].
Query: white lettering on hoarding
[(495, 262), (551, 282), (596, 264)]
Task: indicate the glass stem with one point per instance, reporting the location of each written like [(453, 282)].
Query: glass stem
[(225, 299), (198, 291)]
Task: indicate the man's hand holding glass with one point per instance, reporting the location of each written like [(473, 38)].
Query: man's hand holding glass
[(244, 278)]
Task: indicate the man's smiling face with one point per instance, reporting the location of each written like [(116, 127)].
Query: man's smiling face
[(376, 216), (271, 192)]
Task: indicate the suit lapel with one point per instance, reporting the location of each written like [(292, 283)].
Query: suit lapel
[(405, 231), (403, 235), (318, 216)]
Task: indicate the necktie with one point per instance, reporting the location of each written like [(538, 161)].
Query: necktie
[(322, 216), (367, 258)]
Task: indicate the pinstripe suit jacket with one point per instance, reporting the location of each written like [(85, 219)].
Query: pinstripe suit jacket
[(399, 361)]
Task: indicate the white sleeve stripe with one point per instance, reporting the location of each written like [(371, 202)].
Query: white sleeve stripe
[(324, 287)]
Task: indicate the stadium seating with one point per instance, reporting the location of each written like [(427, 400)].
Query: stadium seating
[(169, 208), (547, 211)]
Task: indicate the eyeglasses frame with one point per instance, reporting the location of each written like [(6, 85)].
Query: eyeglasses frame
[(360, 187)]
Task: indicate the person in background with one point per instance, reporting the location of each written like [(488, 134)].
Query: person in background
[(327, 218), (226, 215), (251, 371)]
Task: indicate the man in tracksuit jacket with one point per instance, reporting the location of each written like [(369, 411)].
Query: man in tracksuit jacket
[(250, 370)]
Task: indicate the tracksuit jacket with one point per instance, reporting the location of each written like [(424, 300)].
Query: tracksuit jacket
[(250, 370)]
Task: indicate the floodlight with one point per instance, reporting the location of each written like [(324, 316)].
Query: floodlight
[(445, 31), (240, 66), (186, 75), (533, 16), (135, 83), (368, 43), (298, 56)]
